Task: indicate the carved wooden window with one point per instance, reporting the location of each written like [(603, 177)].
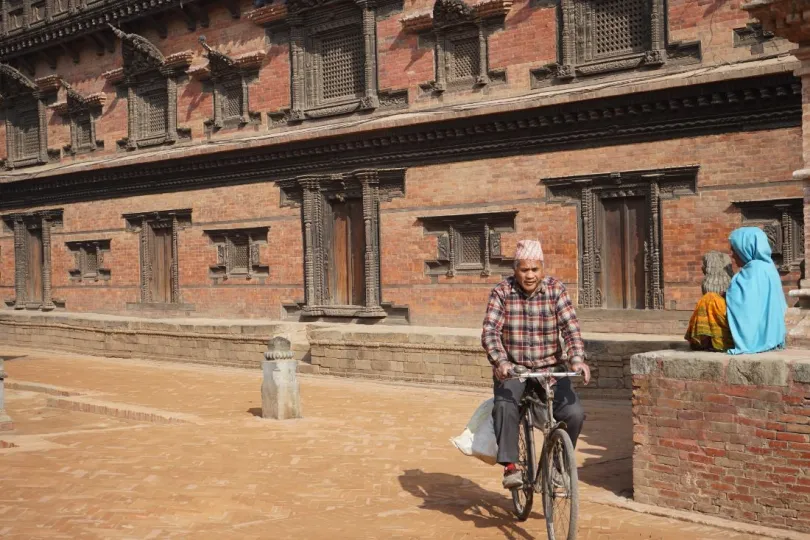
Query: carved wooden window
[(16, 15), (80, 112), (32, 257), (783, 223), (238, 253), (229, 79), (150, 80), (620, 236), (603, 36), (340, 215), (89, 257), (469, 243), (334, 58), (160, 268), (26, 130), (460, 34)]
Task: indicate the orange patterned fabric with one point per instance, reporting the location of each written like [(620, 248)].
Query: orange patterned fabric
[(708, 327)]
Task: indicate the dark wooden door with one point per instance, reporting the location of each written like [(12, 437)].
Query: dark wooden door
[(160, 255), (33, 279), (347, 277), (624, 226)]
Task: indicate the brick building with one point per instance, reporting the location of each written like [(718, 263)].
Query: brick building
[(377, 161)]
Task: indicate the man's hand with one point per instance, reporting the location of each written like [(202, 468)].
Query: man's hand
[(502, 370), (582, 367)]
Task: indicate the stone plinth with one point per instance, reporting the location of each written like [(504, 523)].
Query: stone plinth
[(5, 420), (724, 435), (281, 399)]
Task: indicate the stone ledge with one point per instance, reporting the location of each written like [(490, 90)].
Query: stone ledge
[(766, 369)]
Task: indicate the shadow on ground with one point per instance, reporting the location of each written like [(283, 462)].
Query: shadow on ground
[(466, 501), (7, 358), (608, 448), (255, 411)]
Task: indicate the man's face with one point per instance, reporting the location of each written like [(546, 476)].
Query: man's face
[(528, 275)]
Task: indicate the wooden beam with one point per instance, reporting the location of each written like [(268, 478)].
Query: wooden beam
[(73, 52), (51, 56)]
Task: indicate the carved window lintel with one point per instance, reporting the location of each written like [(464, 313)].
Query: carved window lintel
[(586, 193), (89, 257), (238, 253), (316, 194), (81, 112), (469, 243), (783, 223)]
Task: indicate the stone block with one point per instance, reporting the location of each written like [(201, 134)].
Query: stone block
[(757, 372), (281, 398), (801, 372), (702, 369), (644, 364)]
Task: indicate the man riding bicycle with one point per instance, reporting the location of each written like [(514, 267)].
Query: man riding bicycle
[(525, 316)]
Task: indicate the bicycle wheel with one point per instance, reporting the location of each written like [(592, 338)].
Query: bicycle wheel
[(523, 497), (560, 489)]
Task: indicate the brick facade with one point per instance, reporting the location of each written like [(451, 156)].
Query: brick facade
[(745, 159), (723, 436)]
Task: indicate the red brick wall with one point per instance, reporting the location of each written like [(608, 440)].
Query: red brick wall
[(528, 40), (709, 441), (732, 167)]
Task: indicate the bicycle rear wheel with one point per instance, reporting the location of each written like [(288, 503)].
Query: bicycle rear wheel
[(560, 489), (523, 497)]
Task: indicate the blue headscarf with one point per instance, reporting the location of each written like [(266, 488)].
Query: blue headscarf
[(755, 301)]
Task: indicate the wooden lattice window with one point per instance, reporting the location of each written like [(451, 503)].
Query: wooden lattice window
[(465, 56), (232, 101), (469, 243), (343, 64), (25, 131), (782, 220), (238, 253), (89, 263), (620, 27), (84, 132), (152, 113), (334, 58)]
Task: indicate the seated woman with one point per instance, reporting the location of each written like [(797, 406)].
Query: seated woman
[(708, 328), (753, 312), (755, 301)]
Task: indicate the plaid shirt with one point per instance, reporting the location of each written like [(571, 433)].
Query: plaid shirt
[(525, 329)]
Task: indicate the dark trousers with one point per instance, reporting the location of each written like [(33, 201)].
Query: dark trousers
[(505, 414)]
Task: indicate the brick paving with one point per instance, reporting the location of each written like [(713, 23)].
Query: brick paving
[(369, 460)]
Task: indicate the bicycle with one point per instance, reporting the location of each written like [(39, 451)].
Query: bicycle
[(556, 478)]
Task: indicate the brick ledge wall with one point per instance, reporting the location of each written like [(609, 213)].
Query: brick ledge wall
[(724, 435)]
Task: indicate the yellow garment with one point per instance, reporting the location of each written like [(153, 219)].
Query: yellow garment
[(708, 327)]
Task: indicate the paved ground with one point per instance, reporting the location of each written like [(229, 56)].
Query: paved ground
[(369, 460)]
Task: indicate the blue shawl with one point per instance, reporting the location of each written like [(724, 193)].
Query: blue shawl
[(755, 301)]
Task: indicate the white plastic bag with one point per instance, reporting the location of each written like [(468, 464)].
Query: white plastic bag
[(478, 439)]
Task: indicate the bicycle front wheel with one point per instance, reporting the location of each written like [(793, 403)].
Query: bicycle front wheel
[(560, 489), (523, 496)]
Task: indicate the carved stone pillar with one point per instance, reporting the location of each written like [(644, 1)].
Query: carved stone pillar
[(47, 302), (146, 263), (21, 263), (310, 192), (175, 262), (171, 110), (483, 65), (441, 71), (132, 118), (587, 288)]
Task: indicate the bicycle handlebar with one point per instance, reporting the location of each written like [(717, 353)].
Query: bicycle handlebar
[(543, 375)]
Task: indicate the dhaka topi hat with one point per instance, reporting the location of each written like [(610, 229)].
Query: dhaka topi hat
[(529, 250)]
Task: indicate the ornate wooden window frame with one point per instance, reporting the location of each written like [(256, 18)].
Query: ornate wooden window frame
[(312, 194), (577, 57), (140, 222), (450, 231), (586, 191), (21, 94), (20, 223), (146, 71), (225, 74), (82, 250), (78, 109), (450, 22), (224, 241), (783, 223)]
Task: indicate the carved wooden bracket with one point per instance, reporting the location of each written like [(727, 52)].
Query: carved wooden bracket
[(588, 191)]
